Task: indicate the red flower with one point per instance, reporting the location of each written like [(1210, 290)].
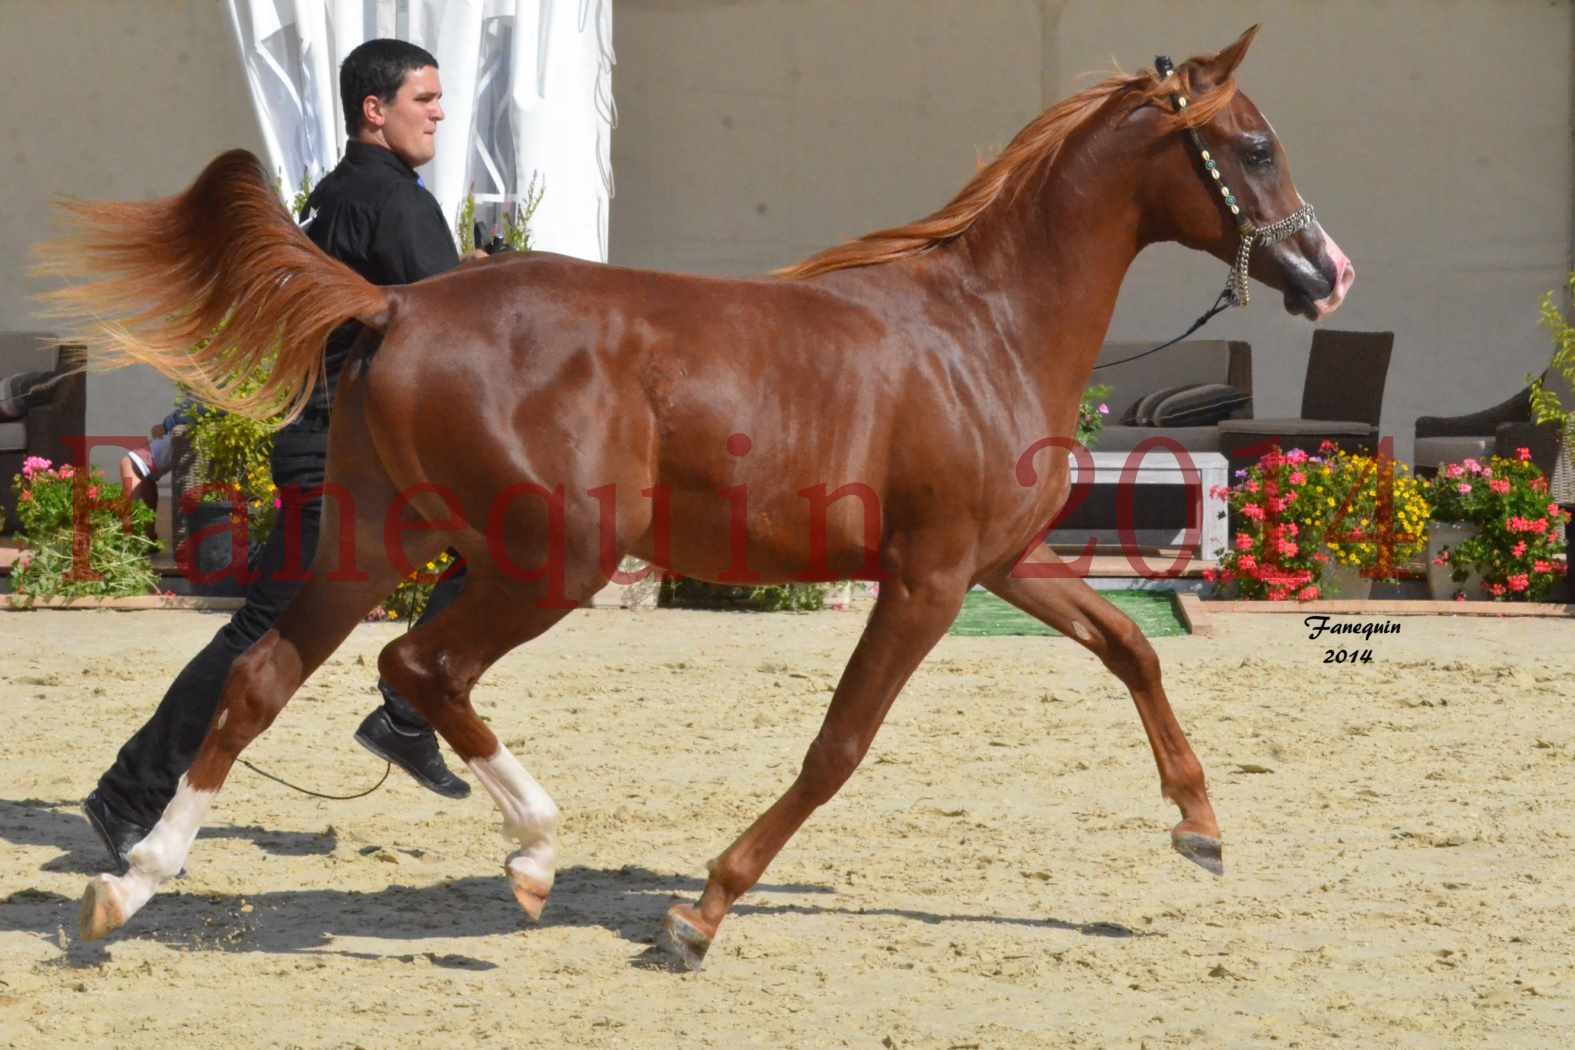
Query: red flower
[(1523, 454)]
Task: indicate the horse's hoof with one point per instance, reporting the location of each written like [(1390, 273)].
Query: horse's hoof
[(531, 893), (1203, 850), (101, 913), (682, 940)]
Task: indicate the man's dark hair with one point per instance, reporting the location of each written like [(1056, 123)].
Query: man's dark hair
[(377, 67)]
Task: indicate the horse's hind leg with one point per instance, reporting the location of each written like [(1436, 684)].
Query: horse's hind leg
[(910, 616), (1077, 611), (436, 665), (260, 683), (262, 680)]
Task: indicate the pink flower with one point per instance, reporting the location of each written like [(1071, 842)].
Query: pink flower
[(1454, 470), (66, 471), (1292, 529), (1523, 454), (1296, 457), (1251, 486), (92, 492), (1496, 590), (1519, 582), (1499, 485), (1553, 510), (1460, 596), (1255, 513), (1247, 563), (1541, 566), (1308, 594), (1288, 548), (1519, 549), (1539, 526), (1463, 489), (1209, 575), (27, 495), (1473, 466), (1243, 541), (32, 465), (1298, 478), (1104, 409)]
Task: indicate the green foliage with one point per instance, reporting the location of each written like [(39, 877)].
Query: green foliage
[(516, 219), (684, 593), (465, 224), (514, 222), (1545, 404), (1091, 413), (119, 550), (410, 598)]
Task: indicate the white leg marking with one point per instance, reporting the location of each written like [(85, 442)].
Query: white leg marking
[(530, 817), (162, 852)]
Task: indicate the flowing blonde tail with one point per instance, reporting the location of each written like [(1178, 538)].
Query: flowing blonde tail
[(207, 287)]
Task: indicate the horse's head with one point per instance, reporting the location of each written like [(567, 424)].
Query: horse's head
[(1221, 176)]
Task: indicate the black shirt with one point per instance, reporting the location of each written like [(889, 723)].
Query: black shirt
[(372, 214)]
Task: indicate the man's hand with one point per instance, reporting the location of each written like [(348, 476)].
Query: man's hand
[(476, 255)]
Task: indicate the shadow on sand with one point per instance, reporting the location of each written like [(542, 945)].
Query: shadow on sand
[(628, 901)]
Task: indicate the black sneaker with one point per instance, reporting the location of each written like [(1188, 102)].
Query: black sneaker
[(117, 835), (416, 753)]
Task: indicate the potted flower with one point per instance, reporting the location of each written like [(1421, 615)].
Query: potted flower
[(1496, 533), (1276, 552), (79, 537), (1372, 514), (1309, 527), (235, 496)]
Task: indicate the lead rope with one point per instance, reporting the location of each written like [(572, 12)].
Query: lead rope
[(387, 766)]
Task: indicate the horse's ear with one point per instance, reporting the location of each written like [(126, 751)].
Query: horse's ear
[(1216, 70)]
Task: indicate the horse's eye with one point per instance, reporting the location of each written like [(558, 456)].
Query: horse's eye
[(1259, 156)]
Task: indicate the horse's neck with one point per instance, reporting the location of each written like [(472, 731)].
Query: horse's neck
[(1058, 257)]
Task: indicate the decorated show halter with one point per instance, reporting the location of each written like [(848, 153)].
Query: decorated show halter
[(1236, 291)]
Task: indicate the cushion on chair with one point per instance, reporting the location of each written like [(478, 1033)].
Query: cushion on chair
[(1125, 439), (1141, 412), (1435, 451), (1298, 426), (13, 438), (1199, 405)]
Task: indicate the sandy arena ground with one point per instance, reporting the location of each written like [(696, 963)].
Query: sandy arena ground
[(1398, 845)]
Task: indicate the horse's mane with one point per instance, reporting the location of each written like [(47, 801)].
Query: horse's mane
[(1034, 149)]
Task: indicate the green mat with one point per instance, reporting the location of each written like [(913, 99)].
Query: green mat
[(985, 615)]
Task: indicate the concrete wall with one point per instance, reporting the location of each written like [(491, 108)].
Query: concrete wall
[(117, 101), (1434, 137)]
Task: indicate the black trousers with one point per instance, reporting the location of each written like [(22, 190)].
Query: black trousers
[(143, 779)]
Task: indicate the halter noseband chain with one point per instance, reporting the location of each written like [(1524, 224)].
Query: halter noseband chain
[(1251, 235)]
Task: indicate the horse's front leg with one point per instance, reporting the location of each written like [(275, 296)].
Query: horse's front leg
[(1078, 611), (908, 619)]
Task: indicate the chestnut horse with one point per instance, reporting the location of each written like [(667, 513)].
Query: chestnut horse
[(713, 427)]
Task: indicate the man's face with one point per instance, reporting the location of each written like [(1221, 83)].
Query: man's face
[(409, 123)]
